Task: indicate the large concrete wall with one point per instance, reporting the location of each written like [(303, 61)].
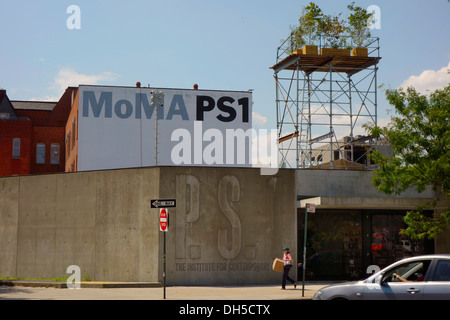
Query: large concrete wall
[(345, 183), (9, 208), (229, 224), (227, 227), (99, 221)]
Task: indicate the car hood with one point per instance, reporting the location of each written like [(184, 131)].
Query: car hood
[(345, 290), (343, 284)]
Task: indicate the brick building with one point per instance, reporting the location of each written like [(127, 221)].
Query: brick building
[(15, 139), (32, 135)]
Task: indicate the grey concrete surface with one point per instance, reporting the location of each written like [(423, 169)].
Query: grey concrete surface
[(263, 292), (228, 226), (346, 183)]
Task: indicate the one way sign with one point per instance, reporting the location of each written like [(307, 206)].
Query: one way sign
[(163, 203)]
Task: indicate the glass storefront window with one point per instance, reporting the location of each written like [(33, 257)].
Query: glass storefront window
[(334, 244), (341, 244), (388, 244)]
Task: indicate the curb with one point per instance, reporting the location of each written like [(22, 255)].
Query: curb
[(83, 284)]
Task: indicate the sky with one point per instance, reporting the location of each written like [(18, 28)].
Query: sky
[(223, 45)]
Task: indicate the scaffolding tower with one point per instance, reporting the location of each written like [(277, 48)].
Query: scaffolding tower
[(323, 98)]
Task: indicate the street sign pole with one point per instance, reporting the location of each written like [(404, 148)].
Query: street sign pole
[(308, 208), (164, 273), (164, 227), (304, 251), (163, 204)]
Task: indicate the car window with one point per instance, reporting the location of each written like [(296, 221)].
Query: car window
[(442, 272), (412, 271)]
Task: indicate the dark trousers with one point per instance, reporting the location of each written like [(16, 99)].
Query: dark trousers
[(286, 270)]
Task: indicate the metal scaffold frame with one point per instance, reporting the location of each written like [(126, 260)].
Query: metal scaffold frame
[(322, 102)]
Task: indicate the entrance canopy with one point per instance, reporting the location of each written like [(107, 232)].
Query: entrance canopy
[(362, 203)]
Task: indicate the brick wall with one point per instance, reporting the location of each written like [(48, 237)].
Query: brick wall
[(53, 162), (10, 130), (35, 127)]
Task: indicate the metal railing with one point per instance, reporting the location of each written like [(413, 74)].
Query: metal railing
[(288, 45)]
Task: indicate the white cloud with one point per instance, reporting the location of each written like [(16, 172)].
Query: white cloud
[(258, 120), (67, 77), (429, 80)]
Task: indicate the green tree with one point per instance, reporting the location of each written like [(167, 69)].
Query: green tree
[(358, 21), (332, 28), (307, 30), (420, 139), (309, 22)]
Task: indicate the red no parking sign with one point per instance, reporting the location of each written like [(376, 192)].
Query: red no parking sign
[(163, 220)]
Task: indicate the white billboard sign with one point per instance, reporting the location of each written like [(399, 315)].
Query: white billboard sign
[(121, 127)]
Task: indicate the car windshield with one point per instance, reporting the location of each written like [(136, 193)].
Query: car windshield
[(411, 271)]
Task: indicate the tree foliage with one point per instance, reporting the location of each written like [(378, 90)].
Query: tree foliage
[(420, 140), (333, 30), (310, 21), (359, 26)]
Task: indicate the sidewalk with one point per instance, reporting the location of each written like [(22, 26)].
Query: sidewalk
[(48, 290)]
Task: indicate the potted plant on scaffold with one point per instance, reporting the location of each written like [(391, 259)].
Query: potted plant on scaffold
[(332, 30), (309, 24), (358, 22), (310, 21)]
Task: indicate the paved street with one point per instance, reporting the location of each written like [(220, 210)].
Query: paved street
[(267, 292)]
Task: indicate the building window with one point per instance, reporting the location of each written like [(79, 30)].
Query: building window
[(16, 148), (40, 153), (54, 153), (4, 116)]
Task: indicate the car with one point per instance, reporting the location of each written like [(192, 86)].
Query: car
[(424, 277)]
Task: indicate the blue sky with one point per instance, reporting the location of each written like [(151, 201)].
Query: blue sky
[(226, 45)]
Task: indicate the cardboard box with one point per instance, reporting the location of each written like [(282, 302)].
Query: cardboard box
[(309, 50), (359, 52), (334, 52), (278, 265)]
